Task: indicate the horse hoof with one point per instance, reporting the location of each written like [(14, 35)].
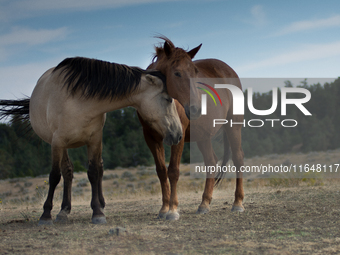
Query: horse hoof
[(162, 216), (61, 218), (237, 208), (172, 216), (45, 222), (202, 210), (99, 220)]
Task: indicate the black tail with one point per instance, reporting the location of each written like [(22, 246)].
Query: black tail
[(226, 156), (18, 109)]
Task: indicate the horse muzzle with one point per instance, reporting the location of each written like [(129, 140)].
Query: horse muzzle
[(192, 112), (173, 138)]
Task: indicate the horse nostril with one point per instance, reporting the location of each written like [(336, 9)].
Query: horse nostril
[(193, 110), (179, 138)]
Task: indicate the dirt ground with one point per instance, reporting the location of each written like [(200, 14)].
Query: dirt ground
[(281, 217)]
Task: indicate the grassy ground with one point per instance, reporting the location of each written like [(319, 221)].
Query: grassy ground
[(282, 216)]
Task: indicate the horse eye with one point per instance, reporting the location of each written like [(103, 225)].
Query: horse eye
[(169, 99), (178, 74)]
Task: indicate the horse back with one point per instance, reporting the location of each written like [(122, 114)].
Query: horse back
[(214, 68)]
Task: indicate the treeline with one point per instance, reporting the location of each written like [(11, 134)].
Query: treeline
[(23, 153), (123, 142), (318, 132)]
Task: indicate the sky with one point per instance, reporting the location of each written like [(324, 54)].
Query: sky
[(258, 39)]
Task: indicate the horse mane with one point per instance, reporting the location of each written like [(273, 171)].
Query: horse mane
[(160, 49), (177, 53), (97, 78)]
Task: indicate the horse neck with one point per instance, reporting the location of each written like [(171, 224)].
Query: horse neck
[(134, 100), (104, 106)]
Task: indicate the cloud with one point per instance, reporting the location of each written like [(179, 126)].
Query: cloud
[(28, 36), (17, 81), (310, 25), (307, 53), (258, 14), (75, 4), (18, 9)]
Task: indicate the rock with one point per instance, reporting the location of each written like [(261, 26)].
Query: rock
[(117, 231)]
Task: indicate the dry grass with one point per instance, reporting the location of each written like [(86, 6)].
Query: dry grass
[(294, 217)]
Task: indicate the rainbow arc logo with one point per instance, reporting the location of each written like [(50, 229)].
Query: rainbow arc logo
[(204, 97)]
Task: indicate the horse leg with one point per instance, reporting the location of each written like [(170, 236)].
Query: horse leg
[(173, 173), (156, 147), (67, 172), (234, 137), (54, 179), (95, 174), (210, 159), (100, 186)]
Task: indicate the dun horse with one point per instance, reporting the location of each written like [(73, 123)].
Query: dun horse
[(68, 108), (177, 65)]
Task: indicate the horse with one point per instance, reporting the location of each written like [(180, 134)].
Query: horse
[(177, 65), (68, 107)]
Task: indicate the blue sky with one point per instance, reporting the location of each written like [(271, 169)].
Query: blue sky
[(257, 38)]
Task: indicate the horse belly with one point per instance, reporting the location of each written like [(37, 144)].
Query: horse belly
[(72, 127), (77, 134)]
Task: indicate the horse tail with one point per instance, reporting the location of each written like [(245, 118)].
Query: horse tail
[(17, 109), (226, 157)]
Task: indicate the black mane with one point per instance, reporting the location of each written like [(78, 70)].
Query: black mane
[(96, 78)]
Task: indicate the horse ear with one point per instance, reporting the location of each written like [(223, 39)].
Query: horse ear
[(167, 49), (193, 52), (153, 79)]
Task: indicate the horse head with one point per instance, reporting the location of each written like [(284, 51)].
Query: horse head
[(177, 65)]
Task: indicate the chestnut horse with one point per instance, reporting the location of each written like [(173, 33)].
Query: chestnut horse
[(177, 65), (68, 108)]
